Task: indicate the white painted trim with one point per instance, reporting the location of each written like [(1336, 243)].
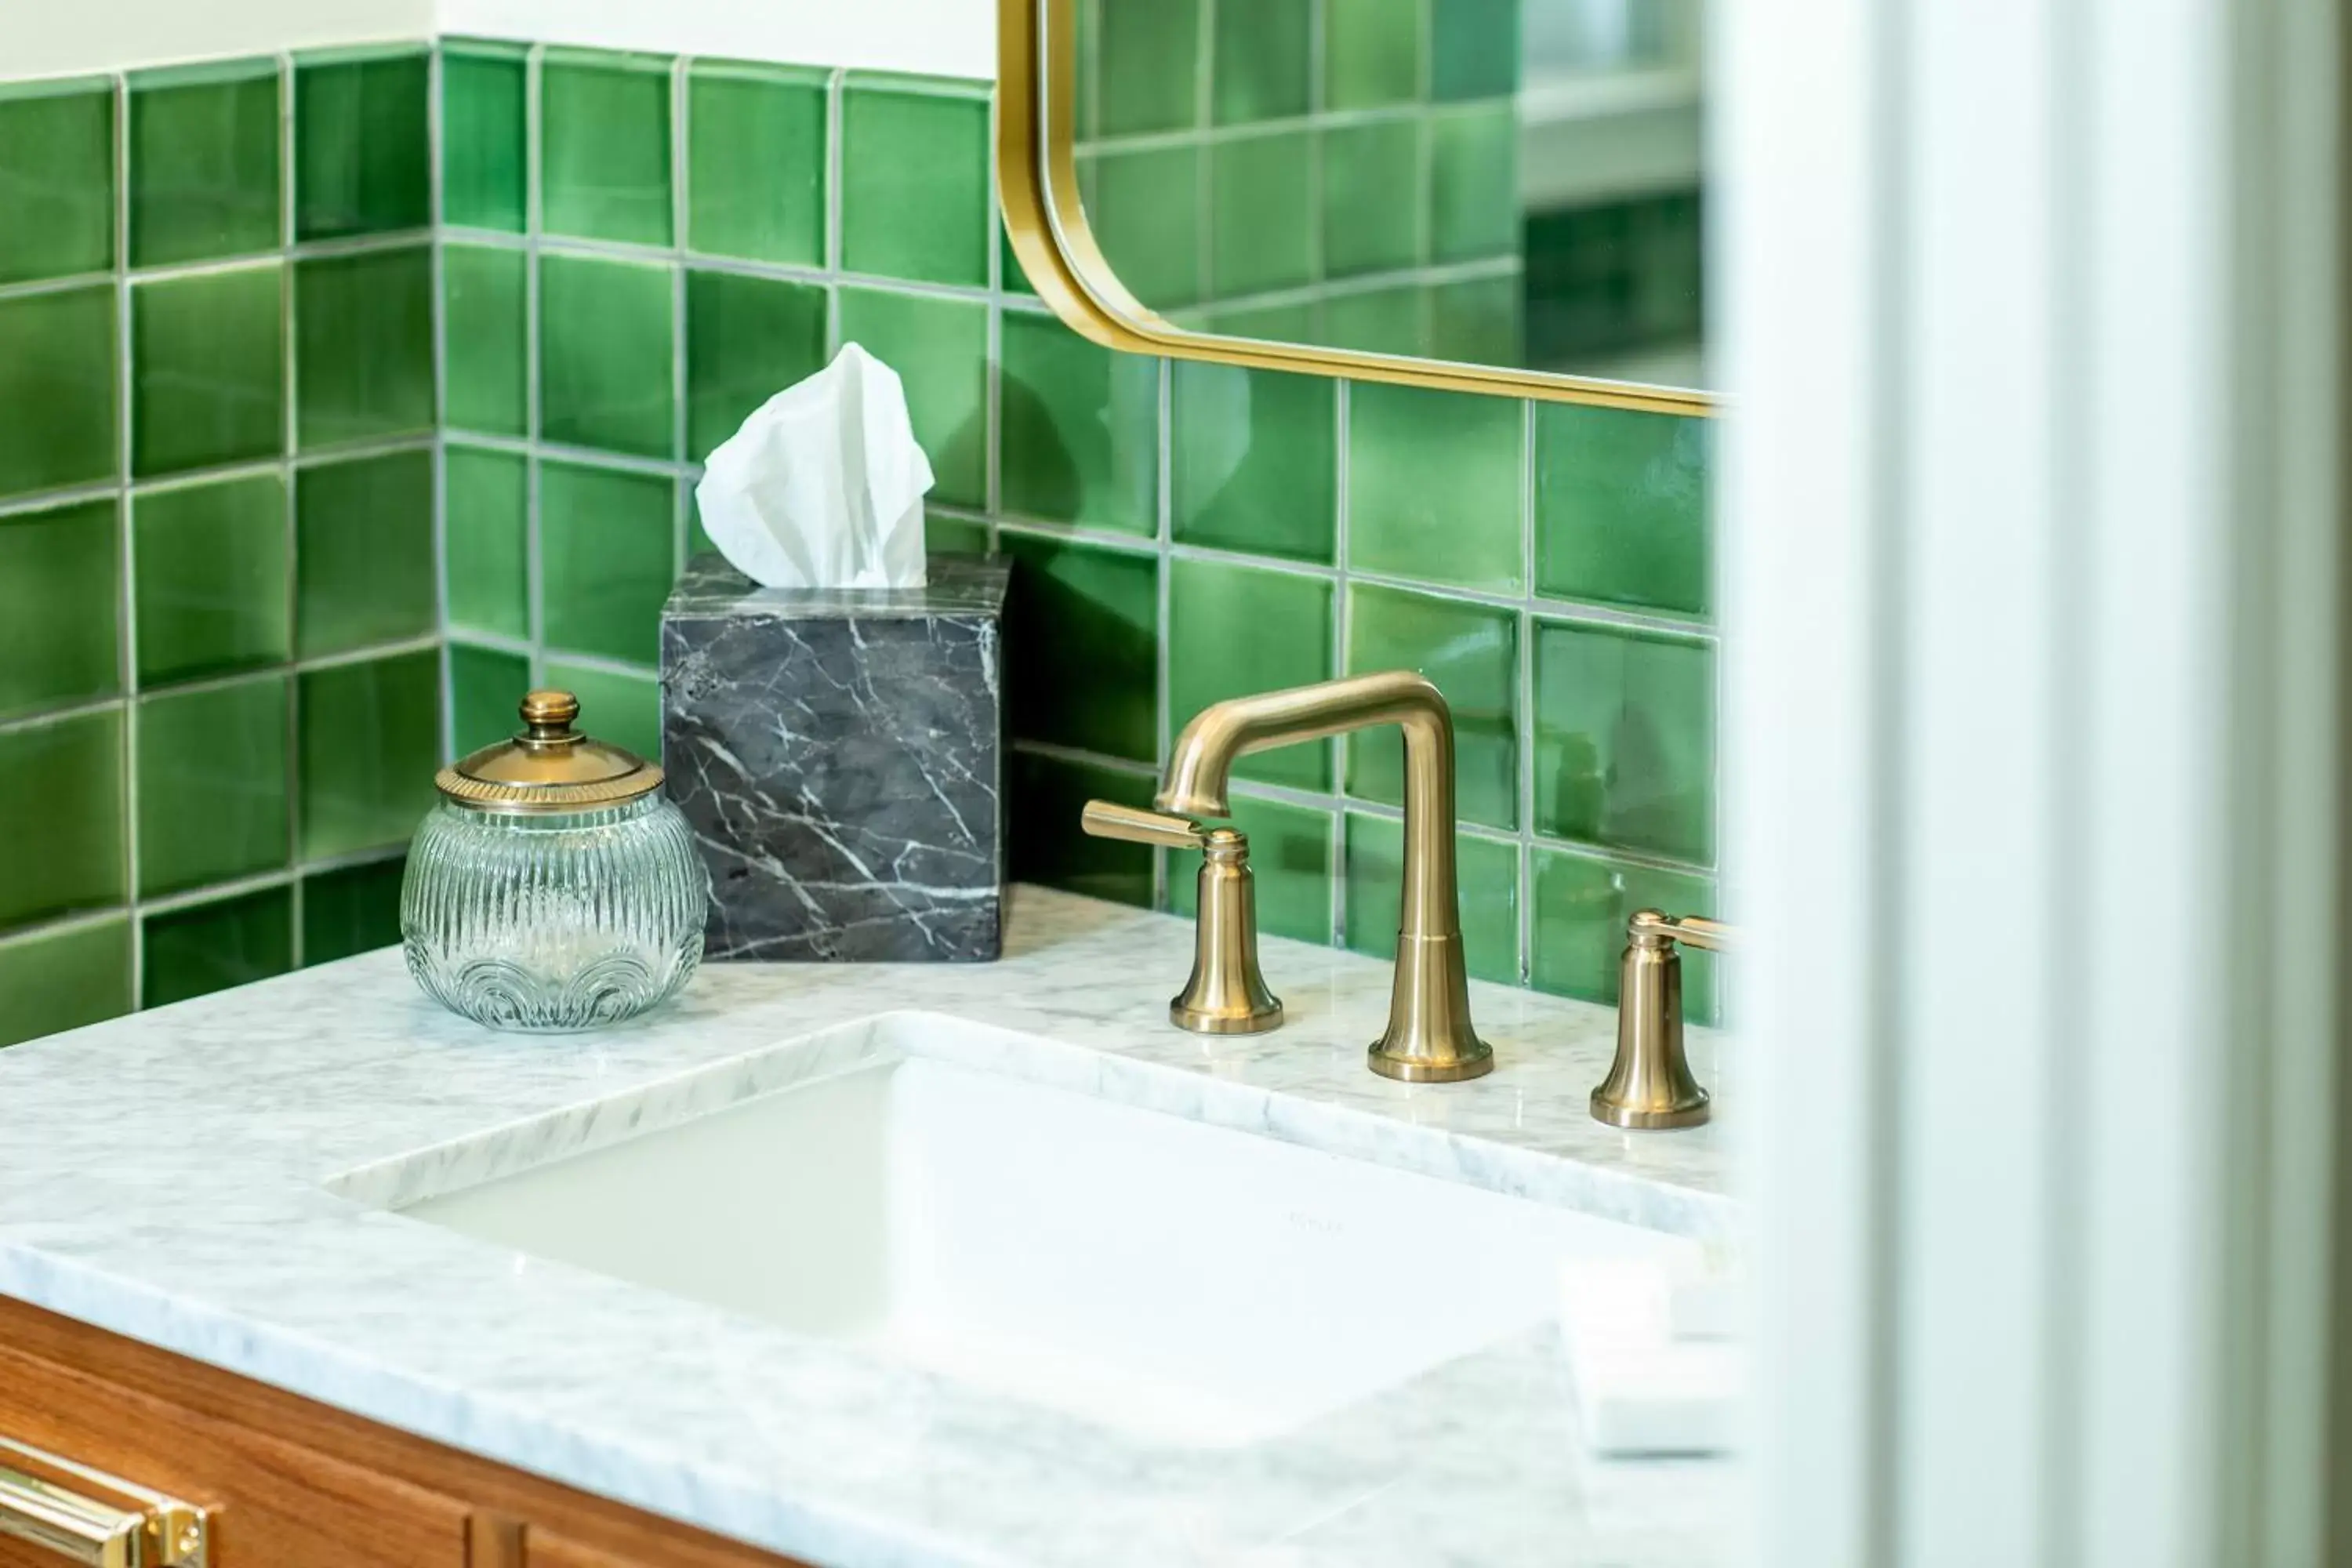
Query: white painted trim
[(2030, 516)]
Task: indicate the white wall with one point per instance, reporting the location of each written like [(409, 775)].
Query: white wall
[(59, 37), (46, 37), (945, 38)]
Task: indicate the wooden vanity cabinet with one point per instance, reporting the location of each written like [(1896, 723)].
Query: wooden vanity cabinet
[(289, 1483)]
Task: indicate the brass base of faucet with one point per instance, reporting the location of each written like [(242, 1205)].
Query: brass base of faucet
[(1650, 1086), (1429, 1038)]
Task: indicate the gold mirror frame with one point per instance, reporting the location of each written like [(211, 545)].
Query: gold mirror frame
[(1038, 181)]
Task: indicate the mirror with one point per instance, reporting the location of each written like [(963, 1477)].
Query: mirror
[(1510, 185)]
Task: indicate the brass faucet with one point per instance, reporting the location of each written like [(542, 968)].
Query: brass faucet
[(1429, 1038), (1650, 1084), (1227, 994)]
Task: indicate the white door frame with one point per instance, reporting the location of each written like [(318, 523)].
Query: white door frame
[(2030, 519)]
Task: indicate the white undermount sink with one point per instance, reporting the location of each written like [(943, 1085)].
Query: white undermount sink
[(1184, 1282)]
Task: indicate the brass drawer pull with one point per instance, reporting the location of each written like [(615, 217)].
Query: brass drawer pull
[(123, 1526)]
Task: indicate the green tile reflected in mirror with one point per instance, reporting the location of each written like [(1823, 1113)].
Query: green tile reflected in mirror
[(1505, 183)]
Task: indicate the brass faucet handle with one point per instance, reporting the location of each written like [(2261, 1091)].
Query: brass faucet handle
[(1227, 994), (1650, 1083), (1109, 819)]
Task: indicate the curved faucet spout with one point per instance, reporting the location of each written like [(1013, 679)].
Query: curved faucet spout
[(1429, 1037)]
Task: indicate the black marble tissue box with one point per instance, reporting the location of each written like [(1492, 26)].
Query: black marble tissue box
[(838, 755)]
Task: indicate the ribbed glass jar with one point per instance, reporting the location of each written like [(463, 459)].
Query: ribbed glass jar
[(554, 921)]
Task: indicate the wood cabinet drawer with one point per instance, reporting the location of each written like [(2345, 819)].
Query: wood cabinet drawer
[(276, 1504), (294, 1484)]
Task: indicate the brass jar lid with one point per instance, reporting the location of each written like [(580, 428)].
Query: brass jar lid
[(549, 766)]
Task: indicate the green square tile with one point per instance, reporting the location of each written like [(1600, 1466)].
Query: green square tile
[(208, 370), (486, 338), (1473, 49), (1144, 66), (1262, 214), (58, 586), (1012, 278), (364, 552), (1371, 219), (953, 536), (1083, 646), (214, 578), (485, 685), (915, 181), (755, 184), (204, 948), (57, 178), (605, 559), (59, 980), (1624, 737), (1263, 60), (604, 355), (351, 910), (486, 538), (1621, 507), (1383, 321), (614, 706), (204, 161), (362, 156), (1144, 210), (1473, 184), (746, 339), (1434, 485), (1372, 52), (939, 349), (1234, 630), (369, 739), (1291, 323), (1477, 320), (68, 777), (1581, 904), (56, 383), (1080, 428), (1472, 652), (364, 345), (1252, 457), (212, 784), (1044, 796), (604, 134), (1290, 864), (484, 155), (1486, 880)]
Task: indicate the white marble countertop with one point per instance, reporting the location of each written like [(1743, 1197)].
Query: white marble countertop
[(165, 1176)]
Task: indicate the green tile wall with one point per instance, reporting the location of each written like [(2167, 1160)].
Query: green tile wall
[(289, 501), (1344, 173), (217, 496)]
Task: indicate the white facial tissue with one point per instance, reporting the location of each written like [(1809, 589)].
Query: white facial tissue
[(823, 485)]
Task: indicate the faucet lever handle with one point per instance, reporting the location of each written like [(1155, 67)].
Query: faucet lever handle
[(1109, 819)]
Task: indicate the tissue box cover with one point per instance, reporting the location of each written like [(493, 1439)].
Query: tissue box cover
[(838, 755)]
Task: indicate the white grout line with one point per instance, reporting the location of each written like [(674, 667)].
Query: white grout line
[(435, 142), (290, 389), (534, 227), (1528, 712), (1343, 610), (1165, 588), (126, 590)]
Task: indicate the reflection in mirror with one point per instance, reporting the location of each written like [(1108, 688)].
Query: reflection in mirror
[(1505, 182)]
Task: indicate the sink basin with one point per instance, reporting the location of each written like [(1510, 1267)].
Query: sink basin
[(1183, 1282)]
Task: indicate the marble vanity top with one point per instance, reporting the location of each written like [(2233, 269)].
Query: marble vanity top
[(167, 1176)]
